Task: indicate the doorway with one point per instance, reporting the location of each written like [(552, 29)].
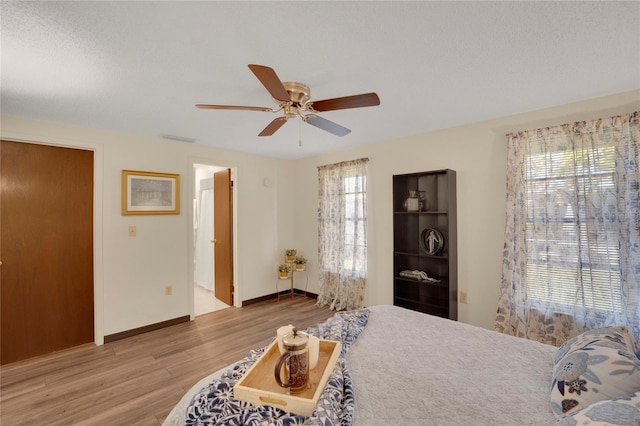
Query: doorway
[(212, 240)]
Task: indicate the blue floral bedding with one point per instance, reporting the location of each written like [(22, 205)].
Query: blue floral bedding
[(215, 405)]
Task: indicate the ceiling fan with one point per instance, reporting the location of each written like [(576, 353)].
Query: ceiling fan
[(295, 100)]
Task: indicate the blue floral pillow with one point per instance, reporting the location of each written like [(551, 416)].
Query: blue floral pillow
[(617, 337), (623, 410), (600, 367)]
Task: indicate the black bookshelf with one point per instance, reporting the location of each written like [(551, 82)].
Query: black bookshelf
[(425, 239)]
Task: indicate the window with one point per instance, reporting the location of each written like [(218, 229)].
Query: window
[(342, 232), (355, 220), (568, 262), (572, 241)]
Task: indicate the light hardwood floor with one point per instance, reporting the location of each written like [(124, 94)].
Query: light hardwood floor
[(138, 380)]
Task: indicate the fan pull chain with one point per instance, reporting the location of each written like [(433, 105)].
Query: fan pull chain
[(300, 133)]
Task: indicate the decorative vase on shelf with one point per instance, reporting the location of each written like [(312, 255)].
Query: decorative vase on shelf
[(413, 203), (422, 195)]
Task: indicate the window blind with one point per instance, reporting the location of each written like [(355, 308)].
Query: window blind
[(568, 264)]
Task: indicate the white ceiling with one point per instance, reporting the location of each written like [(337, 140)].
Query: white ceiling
[(140, 67)]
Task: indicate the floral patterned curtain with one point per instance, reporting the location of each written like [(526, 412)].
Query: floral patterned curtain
[(572, 235), (342, 234)]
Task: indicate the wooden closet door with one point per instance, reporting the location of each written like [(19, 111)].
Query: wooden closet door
[(46, 249)]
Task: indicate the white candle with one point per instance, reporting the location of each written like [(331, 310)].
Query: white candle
[(314, 351)]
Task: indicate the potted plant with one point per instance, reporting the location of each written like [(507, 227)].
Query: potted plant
[(283, 270), (290, 254), (300, 263)]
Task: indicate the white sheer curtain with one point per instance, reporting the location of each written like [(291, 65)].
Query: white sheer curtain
[(342, 234), (572, 235)]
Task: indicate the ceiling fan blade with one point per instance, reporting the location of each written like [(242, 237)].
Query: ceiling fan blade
[(271, 82), (346, 102), (329, 126), (235, 107), (273, 126)]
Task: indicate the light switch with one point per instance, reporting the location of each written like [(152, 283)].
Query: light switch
[(132, 231)]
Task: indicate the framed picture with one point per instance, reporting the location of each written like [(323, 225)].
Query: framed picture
[(150, 193)]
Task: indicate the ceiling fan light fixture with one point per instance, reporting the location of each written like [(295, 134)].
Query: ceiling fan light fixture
[(294, 99), (291, 111), (298, 92)]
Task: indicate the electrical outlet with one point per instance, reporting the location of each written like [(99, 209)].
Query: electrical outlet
[(463, 297), (132, 231), (168, 290)]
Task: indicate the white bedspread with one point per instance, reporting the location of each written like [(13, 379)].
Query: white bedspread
[(410, 368), (414, 369)]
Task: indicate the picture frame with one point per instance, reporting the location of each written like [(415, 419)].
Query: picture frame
[(150, 193)]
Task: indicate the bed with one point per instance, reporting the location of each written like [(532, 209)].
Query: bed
[(409, 368)]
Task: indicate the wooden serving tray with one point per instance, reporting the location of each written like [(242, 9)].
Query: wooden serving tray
[(258, 386)]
